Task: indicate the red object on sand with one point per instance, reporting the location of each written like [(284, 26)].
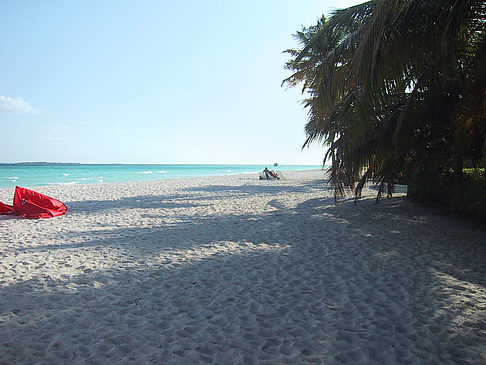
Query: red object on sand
[(6, 209), (31, 204)]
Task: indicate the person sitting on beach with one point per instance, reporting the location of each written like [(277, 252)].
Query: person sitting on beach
[(269, 173)]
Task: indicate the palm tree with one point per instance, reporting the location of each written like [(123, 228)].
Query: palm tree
[(389, 86)]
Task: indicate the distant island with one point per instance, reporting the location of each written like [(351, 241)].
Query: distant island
[(40, 163)]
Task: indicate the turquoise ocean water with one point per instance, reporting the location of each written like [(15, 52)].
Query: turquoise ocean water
[(27, 175)]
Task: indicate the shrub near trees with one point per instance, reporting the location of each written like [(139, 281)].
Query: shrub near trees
[(396, 90)]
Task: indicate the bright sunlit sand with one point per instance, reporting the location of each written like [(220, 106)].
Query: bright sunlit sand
[(232, 269)]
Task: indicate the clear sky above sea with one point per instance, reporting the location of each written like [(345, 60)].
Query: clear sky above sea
[(153, 81)]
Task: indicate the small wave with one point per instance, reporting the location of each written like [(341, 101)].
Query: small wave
[(66, 183), (66, 174), (227, 170), (242, 173), (144, 172), (161, 172), (11, 177)]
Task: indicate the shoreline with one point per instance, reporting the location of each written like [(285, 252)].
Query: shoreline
[(63, 174), (208, 179), (232, 269)]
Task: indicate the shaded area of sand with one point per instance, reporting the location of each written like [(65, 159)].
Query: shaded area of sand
[(237, 270)]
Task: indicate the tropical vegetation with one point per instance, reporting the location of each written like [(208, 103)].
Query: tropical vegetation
[(396, 91)]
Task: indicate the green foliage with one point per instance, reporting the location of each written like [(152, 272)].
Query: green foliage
[(432, 188), (474, 174), (473, 195), (439, 190)]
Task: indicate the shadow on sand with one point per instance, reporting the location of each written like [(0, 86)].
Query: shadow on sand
[(342, 283)]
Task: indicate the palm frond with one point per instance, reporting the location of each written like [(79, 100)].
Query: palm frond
[(384, 81)]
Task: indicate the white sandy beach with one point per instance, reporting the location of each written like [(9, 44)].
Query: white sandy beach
[(233, 270)]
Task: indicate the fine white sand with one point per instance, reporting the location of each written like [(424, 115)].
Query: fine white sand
[(231, 270)]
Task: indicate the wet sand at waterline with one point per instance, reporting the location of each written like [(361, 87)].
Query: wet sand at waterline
[(234, 270)]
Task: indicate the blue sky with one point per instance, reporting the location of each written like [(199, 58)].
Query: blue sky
[(153, 81)]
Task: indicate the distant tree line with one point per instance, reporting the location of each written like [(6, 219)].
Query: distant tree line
[(396, 91)]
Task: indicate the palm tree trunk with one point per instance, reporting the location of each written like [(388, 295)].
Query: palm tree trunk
[(458, 167), (458, 178)]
